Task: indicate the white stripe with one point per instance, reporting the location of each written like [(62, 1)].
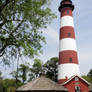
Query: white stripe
[(68, 70), (67, 21), (67, 44)]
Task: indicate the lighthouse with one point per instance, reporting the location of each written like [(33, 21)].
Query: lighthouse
[(68, 58), (68, 68)]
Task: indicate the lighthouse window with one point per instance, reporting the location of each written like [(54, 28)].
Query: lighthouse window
[(69, 34), (70, 59), (67, 11)]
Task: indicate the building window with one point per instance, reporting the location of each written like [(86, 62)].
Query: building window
[(69, 34), (76, 79), (67, 11), (70, 59)]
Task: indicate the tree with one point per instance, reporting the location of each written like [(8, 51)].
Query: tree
[(15, 76), (36, 70), (7, 84), (23, 69), (0, 75), (51, 68), (20, 22), (48, 69), (11, 89), (90, 73), (88, 77), (1, 85)]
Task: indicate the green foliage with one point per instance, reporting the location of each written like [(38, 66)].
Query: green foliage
[(20, 24), (37, 63), (23, 69), (90, 73), (88, 77), (1, 86), (0, 75), (36, 70), (9, 82), (11, 89), (48, 69), (51, 68), (7, 85)]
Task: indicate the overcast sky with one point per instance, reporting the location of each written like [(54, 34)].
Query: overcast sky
[(83, 29)]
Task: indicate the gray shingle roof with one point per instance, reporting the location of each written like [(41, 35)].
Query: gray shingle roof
[(41, 83)]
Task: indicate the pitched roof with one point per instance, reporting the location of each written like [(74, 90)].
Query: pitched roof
[(41, 83), (74, 77), (90, 87)]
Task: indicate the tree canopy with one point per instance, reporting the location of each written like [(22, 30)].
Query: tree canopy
[(88, 77), (51, 68), (29, 73), (20, 23), (23, 69)]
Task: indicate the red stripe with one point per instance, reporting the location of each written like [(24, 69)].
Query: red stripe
[(68, 56), (67, 32), (66, 12)]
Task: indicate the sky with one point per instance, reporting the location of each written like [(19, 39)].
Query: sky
[(83, 30)]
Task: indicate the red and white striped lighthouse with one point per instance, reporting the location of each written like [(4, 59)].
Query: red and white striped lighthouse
[(68, 60)]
